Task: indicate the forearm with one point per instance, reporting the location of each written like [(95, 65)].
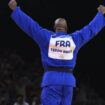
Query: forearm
[(97, 23), (25, 22), (92, 29)]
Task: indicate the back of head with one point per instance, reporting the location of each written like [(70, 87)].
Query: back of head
[(60, 25)]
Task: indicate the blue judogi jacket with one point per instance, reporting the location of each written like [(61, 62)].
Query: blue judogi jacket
[(58, 49)]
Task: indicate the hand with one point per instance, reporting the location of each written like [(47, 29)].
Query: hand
[(101, 9), (12, 4)]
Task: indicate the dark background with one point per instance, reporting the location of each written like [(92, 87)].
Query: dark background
[(91, 58)]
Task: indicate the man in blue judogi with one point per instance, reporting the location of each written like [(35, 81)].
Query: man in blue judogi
[(58, 52)]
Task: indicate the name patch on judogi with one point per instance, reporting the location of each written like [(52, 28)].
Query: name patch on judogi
[(61, 48)]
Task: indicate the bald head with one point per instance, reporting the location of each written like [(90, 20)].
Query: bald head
[(60, 25)]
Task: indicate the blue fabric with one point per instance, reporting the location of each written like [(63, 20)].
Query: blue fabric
[(43, 38), (57, 95)]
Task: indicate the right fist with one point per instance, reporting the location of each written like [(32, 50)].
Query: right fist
[(12, 4)]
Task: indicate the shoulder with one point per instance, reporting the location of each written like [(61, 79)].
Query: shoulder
[(45, 33), (44, 30)]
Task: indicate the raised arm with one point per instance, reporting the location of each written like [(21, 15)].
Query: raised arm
[(29, 26), (92, 29)]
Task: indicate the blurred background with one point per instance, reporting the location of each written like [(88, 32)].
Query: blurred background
[(21, 69)]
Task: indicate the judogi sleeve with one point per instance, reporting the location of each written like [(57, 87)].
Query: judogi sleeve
[(88, 32), (28, 25)]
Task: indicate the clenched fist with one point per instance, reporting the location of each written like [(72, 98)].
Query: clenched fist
[(12, 4), (101, 9)]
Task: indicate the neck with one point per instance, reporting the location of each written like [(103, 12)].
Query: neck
[(61, 30)]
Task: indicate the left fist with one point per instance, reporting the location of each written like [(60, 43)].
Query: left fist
[(101, 9)]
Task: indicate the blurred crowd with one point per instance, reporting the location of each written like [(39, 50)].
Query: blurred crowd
[(19, 77), (85, 95), (20, 82)]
